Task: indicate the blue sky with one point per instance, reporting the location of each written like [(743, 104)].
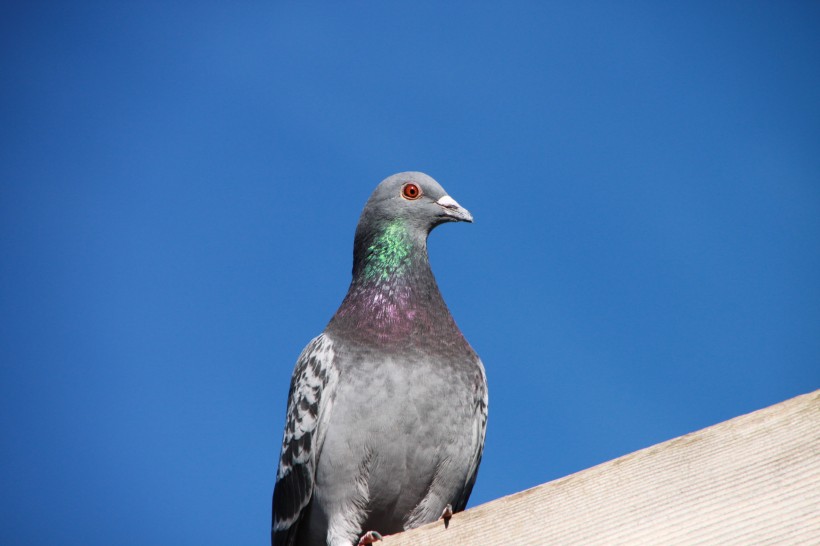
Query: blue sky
[(180, 184)]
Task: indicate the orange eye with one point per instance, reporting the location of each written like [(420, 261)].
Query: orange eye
[(410, 191)]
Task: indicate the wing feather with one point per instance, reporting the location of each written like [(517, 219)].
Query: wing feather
[(314, 379), (480, 400)]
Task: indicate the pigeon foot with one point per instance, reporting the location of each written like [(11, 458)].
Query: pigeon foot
[(446, 514), (369, 538)]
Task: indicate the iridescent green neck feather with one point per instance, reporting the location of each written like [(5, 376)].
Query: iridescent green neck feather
[(389, 254)]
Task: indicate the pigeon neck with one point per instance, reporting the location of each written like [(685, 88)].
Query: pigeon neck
[(393, 295), (389, 261), (388, 254)]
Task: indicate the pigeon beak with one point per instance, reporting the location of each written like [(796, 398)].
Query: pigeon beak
[(453, 211)]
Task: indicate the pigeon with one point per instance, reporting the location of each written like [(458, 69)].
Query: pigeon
[(387, 409)]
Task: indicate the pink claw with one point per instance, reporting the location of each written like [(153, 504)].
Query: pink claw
[(369, 538)]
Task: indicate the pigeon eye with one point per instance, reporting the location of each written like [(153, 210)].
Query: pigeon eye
[(410, 191)]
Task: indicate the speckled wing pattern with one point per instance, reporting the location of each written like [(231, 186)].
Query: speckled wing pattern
[(309, 401)]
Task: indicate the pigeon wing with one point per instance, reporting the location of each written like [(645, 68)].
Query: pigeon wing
[(480, 400), (309, 401)]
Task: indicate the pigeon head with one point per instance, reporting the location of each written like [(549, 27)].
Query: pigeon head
[(415, 199), (396, 221)]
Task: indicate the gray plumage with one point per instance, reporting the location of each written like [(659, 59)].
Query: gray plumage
[(387, 408)]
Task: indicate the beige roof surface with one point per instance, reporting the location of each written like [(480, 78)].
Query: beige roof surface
[(754, 479)]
